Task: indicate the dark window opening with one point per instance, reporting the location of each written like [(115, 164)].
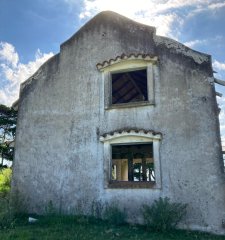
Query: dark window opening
[(133, 162), (129, 87)]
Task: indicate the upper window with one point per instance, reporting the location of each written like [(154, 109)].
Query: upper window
[(129, 86), (129, 80)]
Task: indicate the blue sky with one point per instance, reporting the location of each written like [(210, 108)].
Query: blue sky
[(32, 31)]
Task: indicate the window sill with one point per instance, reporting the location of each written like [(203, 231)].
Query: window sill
[(129, 105), (127, 184)]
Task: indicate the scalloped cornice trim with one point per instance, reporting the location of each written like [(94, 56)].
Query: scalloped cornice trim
[(123, 57), (131, 132)]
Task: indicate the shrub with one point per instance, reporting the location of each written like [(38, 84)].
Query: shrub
[(5, 181), (7, 219), (163, 215), (114, 215)]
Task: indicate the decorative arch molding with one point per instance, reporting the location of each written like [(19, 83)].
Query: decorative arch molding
[(131, 135), (124, 59)]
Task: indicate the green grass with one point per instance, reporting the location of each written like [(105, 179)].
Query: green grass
[(82, 228)]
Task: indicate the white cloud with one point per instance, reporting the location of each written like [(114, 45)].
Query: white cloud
[(162, 22), (8, 54), (221, 102), (13, 72), (217, 5), (144, 11), (159, 13), (196, 42), (201, 42), (204, 6), (218, 66)]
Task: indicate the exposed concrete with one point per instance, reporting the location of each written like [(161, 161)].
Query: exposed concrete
[(59, 156), (180, 48)]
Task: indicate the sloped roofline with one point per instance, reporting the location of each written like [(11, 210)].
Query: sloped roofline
[(103, 16)]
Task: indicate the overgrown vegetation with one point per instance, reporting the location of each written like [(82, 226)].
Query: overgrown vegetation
[(7, 219), (114, 215), (163, 215), (8, 118), (114, 226), (81, 228), (5, 181), (6, 215)]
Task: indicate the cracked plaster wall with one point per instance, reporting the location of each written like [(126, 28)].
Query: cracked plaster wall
[(59, 157)]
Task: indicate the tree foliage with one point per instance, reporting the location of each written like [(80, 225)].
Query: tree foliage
[(8, 118)]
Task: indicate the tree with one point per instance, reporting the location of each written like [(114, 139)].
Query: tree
[(8, 118)]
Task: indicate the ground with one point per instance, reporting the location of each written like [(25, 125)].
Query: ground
[(79, 227), (84, 229)]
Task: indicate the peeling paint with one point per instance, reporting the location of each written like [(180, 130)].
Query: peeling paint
[(181, 49)]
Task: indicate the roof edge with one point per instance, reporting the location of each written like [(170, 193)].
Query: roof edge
[(198, 57), (105, 15)]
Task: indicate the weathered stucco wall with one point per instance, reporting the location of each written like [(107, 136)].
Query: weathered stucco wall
[(59, 157)]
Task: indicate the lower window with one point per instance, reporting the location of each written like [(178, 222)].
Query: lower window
[(133, 163), (132, 158)]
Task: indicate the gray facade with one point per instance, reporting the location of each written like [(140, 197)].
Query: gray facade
[(67, 125)]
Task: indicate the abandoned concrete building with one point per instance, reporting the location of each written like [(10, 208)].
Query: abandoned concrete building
[(121, 115)]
